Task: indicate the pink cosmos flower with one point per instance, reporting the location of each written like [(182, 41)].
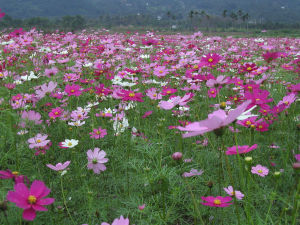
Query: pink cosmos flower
[(176, 100), (7, 174), (229, 190), (30, 200), (153, 94), (45, 88), (98, 133), (118, 221), (192, 173), (211, 59), (38, 141), (215, 82), (73, 90), (215, 120), (31, 116), (96, 160), (260, 170), (148, 113), (218, 201), (212, 93), (297, 157), (56, 112), (59, 166), (160, 71), (241, 149), (130, 96)]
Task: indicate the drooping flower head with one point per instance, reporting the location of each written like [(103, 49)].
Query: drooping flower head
[(241, 149)]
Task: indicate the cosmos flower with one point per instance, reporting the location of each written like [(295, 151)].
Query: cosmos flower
[(192, 173), (38, 141), (230, 191), (241, 149), (218, 201), (96, 160), (215, 120), (68, 143), (260, 170), (59, 166), (118, 221), (31, 200)]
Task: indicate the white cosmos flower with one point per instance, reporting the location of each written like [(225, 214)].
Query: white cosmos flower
[(69, 143), (77, 123)]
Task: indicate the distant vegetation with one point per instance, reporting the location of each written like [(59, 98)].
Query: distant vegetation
[(284, 11)]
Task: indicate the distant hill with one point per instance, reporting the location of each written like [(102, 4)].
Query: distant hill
[(267, 10)]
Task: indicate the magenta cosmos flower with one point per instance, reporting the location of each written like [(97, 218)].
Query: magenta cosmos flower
[(7, 174), (30, 200), (260, 170), (59, 166), (73, 90), (118, 221), (214, 121), (98, 133), (218, 201), (96, 160), (241, 149), (229, 190), (38, 141)]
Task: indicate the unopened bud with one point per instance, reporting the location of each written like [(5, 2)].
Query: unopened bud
[(177, 156)]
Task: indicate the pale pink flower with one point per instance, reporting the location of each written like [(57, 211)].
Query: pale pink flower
[(215, 120), (118, 221), (96, 160), (38, 141), (260, 170), (229, 190), (192, 173), (59, 166)]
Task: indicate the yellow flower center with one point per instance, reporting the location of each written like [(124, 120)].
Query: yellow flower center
[(168, 92), (38, 141), (217, 202), (131, 95), (210, 60), (154, 95), (248, 122), (286, 102), (249, 68), (56, 113), (16, 173), (212, 92), (260, 126), (72, 91), (196, 67), (69, 144), (260, 171), (31, 199)]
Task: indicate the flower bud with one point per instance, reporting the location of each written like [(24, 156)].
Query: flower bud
[(177, 156), (248, 159)]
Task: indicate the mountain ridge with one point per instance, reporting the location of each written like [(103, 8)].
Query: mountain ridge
[(268, 10)]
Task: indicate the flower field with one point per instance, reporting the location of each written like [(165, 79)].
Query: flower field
[(101, 128)]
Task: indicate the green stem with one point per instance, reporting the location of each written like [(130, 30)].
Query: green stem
[(64, 199), (194, 202)]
